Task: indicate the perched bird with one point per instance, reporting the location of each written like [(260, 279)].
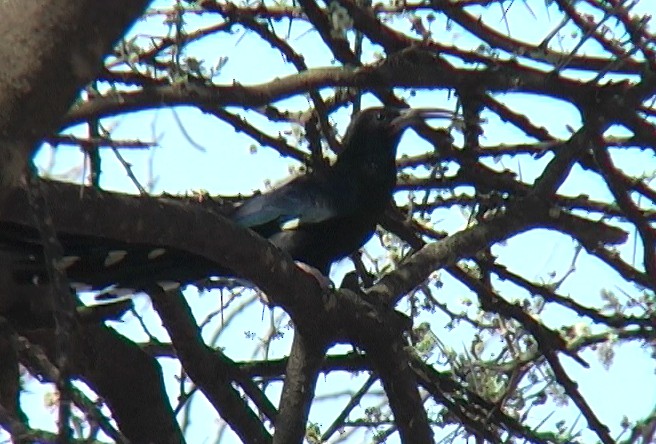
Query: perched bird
[(317, 218), (326, 215)]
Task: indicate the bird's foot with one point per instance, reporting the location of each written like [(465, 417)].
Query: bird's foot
[(324, 282)]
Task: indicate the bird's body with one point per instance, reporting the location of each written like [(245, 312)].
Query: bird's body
[(316, 238), (327, 214), (317, 218)]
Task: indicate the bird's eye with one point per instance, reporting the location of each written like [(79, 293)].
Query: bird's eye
[(380, 116)]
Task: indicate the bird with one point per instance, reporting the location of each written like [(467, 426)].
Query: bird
[(318, 218)]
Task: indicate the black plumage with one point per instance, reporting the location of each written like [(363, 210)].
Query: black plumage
[(325, 215), (318, 218)]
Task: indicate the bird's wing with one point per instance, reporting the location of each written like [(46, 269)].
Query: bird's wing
[(307, 199)]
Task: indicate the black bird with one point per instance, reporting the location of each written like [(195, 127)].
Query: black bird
[(326, 215), (317, 218)]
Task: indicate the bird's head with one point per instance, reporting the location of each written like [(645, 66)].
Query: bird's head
[(377, 131)]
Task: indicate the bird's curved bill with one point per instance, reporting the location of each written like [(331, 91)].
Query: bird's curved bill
[(413, 116)]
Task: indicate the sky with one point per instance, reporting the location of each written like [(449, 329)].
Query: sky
[(226, 164)]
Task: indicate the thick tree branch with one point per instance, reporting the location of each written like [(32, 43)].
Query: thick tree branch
[(124, 376), (206, 368), (412, 68), (303, 366), (138, 221), (53, 42)]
